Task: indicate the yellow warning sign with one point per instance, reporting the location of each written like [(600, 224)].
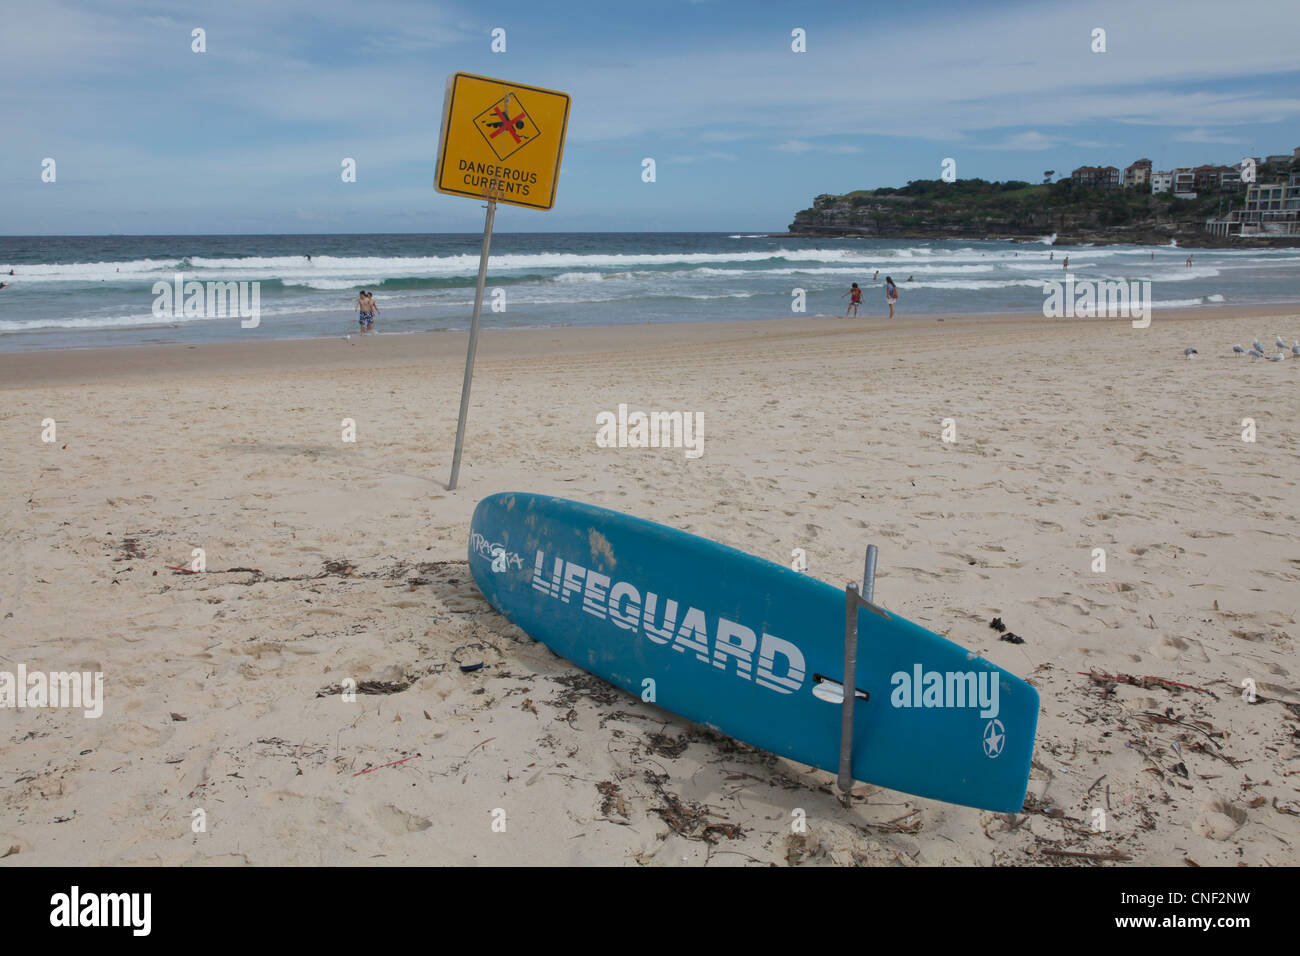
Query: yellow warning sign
[(501, 141)]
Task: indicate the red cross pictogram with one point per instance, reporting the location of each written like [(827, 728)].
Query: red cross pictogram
[(507, 125)]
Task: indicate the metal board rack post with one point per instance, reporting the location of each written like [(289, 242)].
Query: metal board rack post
[(853, 600)]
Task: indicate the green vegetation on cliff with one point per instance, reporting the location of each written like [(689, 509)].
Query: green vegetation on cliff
[(977, 207)]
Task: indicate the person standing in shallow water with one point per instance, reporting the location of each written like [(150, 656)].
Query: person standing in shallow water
[(891, 294), (365, 317), (855, 299), (374, 310)]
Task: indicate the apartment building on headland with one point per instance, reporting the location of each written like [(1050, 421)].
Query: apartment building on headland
[(1184, 186), (1272, 193), (1271, 185), (1270, 209), (1185, 182), (1096, 177), (1138, 175)]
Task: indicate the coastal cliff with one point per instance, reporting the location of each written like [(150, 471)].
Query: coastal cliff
[(978, 209)]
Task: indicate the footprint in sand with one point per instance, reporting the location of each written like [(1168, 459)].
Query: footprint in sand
[(1172, 648), (1255, 636), (136, 736), (1139, 705), (397, 822), (1220, 819)]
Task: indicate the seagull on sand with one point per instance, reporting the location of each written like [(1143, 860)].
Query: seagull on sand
[(1278, 357), (1190, 352), (1295, 347), (1255, 353), (1239, 350), (1278, 342), (1258, 347)]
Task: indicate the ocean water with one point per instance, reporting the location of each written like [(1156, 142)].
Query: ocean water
[(82, 291)]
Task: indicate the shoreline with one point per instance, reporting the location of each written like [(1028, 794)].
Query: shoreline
[(86, 364)]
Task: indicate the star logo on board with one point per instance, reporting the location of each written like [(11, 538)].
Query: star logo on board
[(506, 126), (995, 738)]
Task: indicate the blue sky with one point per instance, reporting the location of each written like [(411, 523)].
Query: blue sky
[(151, 138)]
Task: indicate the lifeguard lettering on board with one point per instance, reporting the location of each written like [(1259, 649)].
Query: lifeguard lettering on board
[(501, 141)]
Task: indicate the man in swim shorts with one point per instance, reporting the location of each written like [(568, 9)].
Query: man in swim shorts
[(373, 309), (365, 315)]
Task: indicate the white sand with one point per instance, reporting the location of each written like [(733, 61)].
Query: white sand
[(819, 434)]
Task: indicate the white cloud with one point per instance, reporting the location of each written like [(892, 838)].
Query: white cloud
[(803, 146), (1028, 140), (1203, 135), (272, 108), (1053, 80), (720, 157)]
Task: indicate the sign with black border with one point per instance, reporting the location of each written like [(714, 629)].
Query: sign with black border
[(501, 141)]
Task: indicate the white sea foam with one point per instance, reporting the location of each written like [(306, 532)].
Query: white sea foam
[(295, 269), (334, 273), (1187, 303), (332, 285), (973, 285), (133, 320), (579, 277)]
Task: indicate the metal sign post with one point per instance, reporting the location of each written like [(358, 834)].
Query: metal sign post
[(473, 341), (502, 142)]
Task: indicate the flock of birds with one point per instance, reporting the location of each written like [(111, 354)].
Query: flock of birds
[(1257, 350)]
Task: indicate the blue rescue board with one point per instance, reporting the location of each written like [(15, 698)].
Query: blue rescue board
[(737, 643)]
